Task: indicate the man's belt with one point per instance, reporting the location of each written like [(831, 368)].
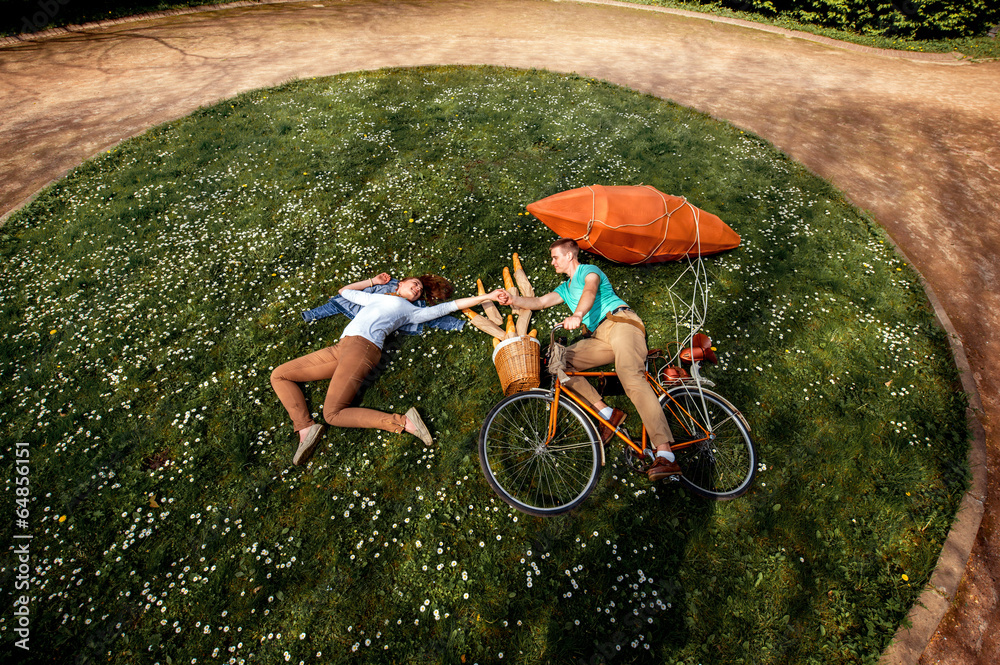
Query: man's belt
[(610, 316)]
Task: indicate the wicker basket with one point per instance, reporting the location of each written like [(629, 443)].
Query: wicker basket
[(518, 362)]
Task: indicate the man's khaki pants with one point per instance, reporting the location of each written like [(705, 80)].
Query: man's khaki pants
[(625, 345)]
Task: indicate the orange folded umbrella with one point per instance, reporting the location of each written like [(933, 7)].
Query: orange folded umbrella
[(634, 224)]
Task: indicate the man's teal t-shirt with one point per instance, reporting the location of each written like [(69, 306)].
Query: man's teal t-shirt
[(605, 301)]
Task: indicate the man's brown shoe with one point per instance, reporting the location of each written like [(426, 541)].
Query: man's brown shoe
[(617, 416), (663, 468)]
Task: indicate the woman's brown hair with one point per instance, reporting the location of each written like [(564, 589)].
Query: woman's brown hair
[(436, 288)]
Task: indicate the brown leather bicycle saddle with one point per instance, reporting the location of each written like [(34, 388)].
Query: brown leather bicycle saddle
[(700, 350)]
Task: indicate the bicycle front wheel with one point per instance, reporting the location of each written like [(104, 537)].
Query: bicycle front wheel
[(532, 471), (711, 443)]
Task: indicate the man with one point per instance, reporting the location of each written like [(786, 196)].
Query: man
[(617, 336)]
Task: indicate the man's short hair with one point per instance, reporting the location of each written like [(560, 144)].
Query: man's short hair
[(566, 245)]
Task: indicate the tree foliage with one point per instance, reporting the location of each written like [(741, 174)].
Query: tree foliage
[(919, 19)]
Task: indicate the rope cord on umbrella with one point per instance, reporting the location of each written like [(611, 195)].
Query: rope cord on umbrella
[(667, 213), (694, 312)]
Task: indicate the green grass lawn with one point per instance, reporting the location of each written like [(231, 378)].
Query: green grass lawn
[(148, 295)]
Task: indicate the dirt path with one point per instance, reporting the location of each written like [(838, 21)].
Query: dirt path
[(915, 142)]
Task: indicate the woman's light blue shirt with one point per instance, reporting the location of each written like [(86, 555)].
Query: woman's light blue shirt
[(382, 314)]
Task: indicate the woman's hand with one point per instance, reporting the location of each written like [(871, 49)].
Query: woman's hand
[(465, 303), (381, 278), (503, 297)]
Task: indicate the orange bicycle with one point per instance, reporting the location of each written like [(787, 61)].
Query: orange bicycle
[(541, 452)]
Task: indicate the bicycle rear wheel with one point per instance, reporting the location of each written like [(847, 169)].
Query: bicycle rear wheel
[(712, 443), (536, 475)]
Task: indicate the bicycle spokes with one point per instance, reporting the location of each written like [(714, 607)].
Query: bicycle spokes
[(540, 456), (713, 445)]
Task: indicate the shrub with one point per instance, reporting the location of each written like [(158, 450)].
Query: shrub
[(919, 19)]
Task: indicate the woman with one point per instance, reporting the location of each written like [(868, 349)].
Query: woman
[(349, 361)]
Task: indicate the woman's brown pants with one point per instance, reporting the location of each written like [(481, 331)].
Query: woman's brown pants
[(346, 364)]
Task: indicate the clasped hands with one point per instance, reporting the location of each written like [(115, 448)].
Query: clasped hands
[(569, 323)]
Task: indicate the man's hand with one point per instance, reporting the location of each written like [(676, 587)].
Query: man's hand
[(572, 322), (381, 278), (504, 298)]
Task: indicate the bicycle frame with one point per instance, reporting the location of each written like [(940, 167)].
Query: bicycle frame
[(559, 390)]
